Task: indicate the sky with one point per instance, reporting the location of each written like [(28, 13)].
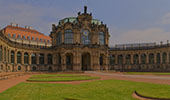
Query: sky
[(129, 21)]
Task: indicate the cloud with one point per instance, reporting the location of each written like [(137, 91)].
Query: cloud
[(40, 18), (166, 18), (149, 35)]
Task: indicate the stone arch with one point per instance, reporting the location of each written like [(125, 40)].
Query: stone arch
[(86, 61)]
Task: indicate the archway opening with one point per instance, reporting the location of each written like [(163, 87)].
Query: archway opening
[(69, 61), (86, 62)]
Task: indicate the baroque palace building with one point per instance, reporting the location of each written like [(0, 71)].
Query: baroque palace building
[(77, 44)]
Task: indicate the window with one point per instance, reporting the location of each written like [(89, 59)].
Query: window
[(50, 60), (14, 35), (19, 67), (33, 59), (12, 57), (68, 37), (59, 38), (41, 40), (23, 37), (19, 58), (32, 38), (9, 34), (28, 37), (143, 58), (151, 58), (48, 41), (26, 58), (85, 37), (41, 59), (19, 36), (101, 38), (37, 39), (112, 59)]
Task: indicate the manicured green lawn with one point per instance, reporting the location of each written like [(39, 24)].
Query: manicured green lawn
[(60, 77), (95, 90), (143, 73)]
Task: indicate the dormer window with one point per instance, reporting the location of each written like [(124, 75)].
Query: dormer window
[(23, 37), (28, 38), (14, 36), (19, 36), (32, 38), (9, 34)]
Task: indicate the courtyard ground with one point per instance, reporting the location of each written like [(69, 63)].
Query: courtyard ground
[(105, 85)]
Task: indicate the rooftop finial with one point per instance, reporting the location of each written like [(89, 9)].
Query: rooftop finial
[(85, 9)]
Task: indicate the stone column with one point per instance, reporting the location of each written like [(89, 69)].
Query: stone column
[(37, 58), (161, 58), (139, 58), (15, 56), (154, 58), (63, 61), (30, 58), (147, 58), (45, 59), (116, 59), (167, 58), (22, 57), (54, 59), (131, 58)]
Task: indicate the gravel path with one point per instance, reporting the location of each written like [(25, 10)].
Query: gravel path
[(8, 83)]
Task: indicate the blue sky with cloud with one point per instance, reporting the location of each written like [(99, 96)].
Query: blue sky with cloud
[(129, 21)]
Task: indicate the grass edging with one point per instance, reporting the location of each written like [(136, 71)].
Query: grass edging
[(146, 97)]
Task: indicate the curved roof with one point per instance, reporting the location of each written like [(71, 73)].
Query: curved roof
[(74, 19)]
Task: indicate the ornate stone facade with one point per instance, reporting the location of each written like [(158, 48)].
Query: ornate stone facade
[(78, 44)]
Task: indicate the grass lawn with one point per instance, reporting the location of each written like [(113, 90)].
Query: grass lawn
[(145, 73), (60, 77), (95, 90)]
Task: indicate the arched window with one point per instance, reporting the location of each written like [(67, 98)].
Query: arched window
[(151, 58), (68, 36), (158, 58), (41, 58), (128, 59), (26, 58), (101, 38), (12, 57), (19, 58), (85, 37), (143, 58), (164, 58), (33, 58), (59, 38), (112, 59), (0, 53), (120, 59), (136, 59), (50, 60)]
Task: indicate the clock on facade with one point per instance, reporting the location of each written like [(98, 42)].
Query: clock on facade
[(85, 32)]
